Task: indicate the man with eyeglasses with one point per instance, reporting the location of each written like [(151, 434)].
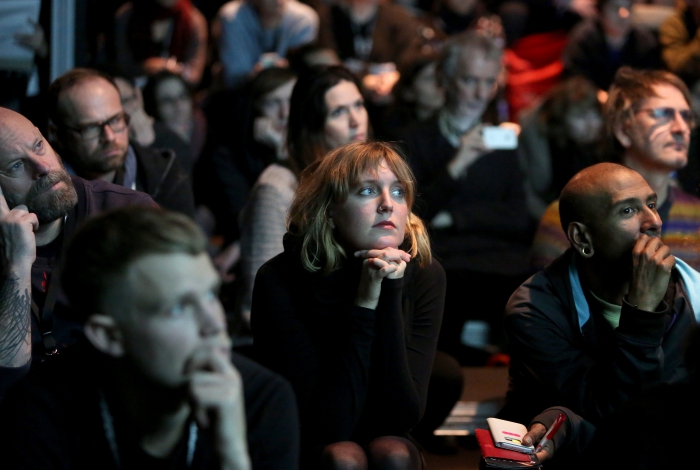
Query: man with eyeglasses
[(40, 207), (648, 120), (609, 317), (91, 130)]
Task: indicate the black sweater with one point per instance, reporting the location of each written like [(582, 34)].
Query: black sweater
[(357, 373), (492, 230), (52, 420)]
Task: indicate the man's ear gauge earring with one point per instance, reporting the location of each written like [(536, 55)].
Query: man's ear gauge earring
[(583, 251)]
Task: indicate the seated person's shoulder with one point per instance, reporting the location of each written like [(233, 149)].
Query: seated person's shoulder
[(300, 11), (107, 195), (230, 10)]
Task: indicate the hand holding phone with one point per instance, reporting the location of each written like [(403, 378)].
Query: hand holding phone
[(500, 137), (509, 435)]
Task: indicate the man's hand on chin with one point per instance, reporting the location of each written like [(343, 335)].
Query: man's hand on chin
[(652, 264)]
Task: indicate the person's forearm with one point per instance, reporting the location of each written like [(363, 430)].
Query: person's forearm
[(15, 318)]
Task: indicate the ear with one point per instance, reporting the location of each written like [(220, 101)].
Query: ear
[(621, 134), (104, 334), (580, 238)]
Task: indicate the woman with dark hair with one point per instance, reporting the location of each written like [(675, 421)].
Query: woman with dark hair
[(155, 35), (325, 112), (558, 138), (167, 98), (350, 312)]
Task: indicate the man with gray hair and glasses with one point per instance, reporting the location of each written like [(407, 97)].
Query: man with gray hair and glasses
[(91, 130)]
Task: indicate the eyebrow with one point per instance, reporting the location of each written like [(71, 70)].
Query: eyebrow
[(633, 200)]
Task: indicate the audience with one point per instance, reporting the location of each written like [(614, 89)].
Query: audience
[(326, 111), (154, 384), (558, 138), (167, 98), (252, 145), (416, 96), (680, 46), (350, 312), (471, 196), (585, 334), (256, 34), (40, 206), (609, 317), (155, 35), (90, 126), (143, 129), (371, 37), (599, 46), (648, 122)]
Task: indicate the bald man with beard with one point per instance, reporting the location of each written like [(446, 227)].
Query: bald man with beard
[(40, 206), (609, 317)]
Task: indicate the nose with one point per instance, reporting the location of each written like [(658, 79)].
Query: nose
[(353, 119), (385, 203), (42, 167), (678, 125), (107, 135), (211, 318), (483, 90), (651, 223)]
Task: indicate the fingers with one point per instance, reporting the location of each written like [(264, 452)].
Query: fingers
[(387, 254), (215, 384), (534, 435), (652, 250), (24, 216)]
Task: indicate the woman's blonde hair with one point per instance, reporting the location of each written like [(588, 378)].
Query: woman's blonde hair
[(329, 181)]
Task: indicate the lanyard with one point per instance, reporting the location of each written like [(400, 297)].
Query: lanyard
[(45, 317), (108, 425)]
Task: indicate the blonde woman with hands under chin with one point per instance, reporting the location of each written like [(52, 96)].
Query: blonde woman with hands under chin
[(350, 312)]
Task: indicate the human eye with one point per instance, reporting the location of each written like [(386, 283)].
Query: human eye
[(627, 210), (180, 309), (652, 206), (366, 191), (663, 113), (336, 112), (359, 104), (398, 191), (469, 80), (91, 131), (15, 167)]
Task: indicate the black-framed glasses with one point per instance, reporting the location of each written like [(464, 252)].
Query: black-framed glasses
[(118, 123), (666, 115)]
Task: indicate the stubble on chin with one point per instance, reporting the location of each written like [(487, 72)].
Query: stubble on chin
[(47, 204)]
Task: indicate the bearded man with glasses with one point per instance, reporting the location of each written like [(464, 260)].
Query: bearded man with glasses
[(648, 121), (91, 131)]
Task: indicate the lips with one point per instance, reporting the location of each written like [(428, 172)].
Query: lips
[(385, 224)]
